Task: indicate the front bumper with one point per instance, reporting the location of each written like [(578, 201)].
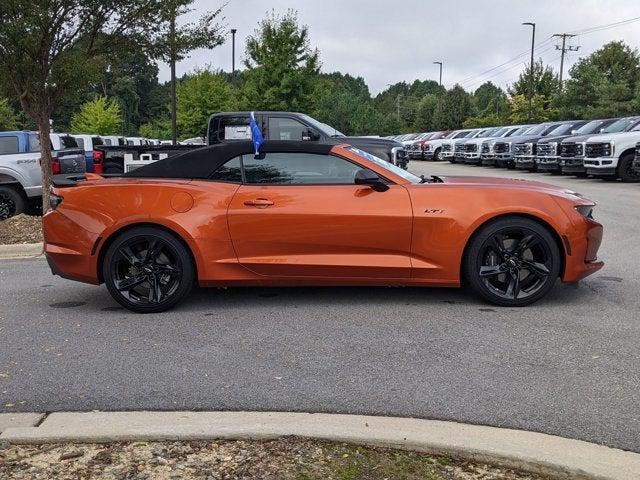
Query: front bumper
[(581, 250), (572, 164), (472, 158), (525, 162), (601, 167), (415, 155), (548, 164), (488, 159)]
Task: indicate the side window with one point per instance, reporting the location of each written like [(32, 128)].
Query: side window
[(34, 142), (230, 128), (281, 128), (229, 172), (299, 169), (80, 142), (9, 145)]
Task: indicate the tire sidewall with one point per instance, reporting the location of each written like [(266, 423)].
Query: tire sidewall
[(188, 270), (16, 197), (471, 262)]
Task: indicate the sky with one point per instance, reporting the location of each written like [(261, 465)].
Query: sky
[(391, 41)]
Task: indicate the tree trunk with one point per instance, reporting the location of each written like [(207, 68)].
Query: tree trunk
[(45, 159)]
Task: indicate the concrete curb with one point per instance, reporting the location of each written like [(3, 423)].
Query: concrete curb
[(528, 451), (21, 250)]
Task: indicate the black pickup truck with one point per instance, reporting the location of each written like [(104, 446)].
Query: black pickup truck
[(234, 126)]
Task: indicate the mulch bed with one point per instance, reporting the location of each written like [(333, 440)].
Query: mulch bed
[(286, 458), (21, 229)]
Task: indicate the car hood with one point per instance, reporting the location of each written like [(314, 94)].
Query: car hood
[(370, 141), (606, 137), (523, 139), (504, 182)]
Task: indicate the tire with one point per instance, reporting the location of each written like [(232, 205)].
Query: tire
[(12, 202), (148, 270), (626, 171), (496, 269), (437, 155)]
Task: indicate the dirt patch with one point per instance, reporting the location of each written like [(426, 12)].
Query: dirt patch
[(21, 229), (286, 458)]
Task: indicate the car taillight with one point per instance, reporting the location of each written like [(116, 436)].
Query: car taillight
[(55, 166), (98, 161), (55, 200)]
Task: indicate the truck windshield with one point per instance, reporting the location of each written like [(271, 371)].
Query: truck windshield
[(386, 165), (591, 127), (537, 130), (328, 130), (561, 129), (622, 125)]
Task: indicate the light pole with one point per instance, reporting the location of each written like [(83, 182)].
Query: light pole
[(439, 63), (233, 50), (533, 43)]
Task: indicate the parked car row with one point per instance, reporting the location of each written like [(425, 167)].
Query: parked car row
[(604, 148), (20, 173)]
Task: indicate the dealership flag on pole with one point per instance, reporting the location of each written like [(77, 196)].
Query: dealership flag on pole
[(256, 134)]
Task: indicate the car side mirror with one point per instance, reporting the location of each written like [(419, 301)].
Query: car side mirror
[(573, 132), (370, 178), (310, 135)]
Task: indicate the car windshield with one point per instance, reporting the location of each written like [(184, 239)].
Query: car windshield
[(561, 129), (591, 127), (621, 125), (437, 136), (537, 130), (328, 130), (462, 134), (411, 136), (499, 132), (386, 165)]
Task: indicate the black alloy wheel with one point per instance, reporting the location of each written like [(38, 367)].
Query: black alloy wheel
[(626, 172), (513, 262), (148, 270), (11, 202)]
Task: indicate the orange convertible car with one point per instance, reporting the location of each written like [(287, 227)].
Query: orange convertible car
[(302, 213)]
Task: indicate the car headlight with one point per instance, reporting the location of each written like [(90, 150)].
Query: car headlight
[(607, 149), (586, 210)]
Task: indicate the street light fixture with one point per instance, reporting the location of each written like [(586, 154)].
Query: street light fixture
[(533, 43), (439, 63)]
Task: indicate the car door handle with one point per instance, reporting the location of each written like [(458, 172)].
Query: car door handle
[(259, 202)]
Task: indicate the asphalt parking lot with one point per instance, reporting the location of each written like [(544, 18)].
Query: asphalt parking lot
[(568, 365)]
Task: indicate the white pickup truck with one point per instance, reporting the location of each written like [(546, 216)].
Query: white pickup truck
[(20, 174), (612, 155)]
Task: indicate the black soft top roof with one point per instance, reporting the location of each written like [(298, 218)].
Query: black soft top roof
[(202, 162)]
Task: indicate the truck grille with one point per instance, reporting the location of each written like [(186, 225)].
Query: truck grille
[(501, 147), (547, 149), (594, 150), (471, 147), (522, 149), (446, 147), (459, 148), (484, 148), (572, 150)]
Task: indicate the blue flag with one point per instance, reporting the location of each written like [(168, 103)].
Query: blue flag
[(256, 134)]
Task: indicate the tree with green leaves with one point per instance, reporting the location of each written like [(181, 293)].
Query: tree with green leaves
[(453, 109), (604, 84), (281, 66), (173, 41), (101, 116), (49, 48), (8, 116), (425, 113), (199, 95), (540, 109), (545, 81)]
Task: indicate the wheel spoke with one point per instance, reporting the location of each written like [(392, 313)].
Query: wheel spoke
[(129, 256), (170, 270), (155, 292), (490, 271), (514, 286), (497, 244), (129, 283), (525, 243), (153, 250), (538, 269)]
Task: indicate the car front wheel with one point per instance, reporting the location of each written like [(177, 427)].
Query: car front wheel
[(11, 202), (512, 262), (148, 270)]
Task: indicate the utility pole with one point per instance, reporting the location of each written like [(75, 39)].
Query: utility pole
[(564, 49), (172, 62), (531, 80), (233, 50), (439, 63)]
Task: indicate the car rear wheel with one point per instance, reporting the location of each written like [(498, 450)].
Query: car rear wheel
[(148, 270), (11, 202), (626, 172), (512, 262)]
